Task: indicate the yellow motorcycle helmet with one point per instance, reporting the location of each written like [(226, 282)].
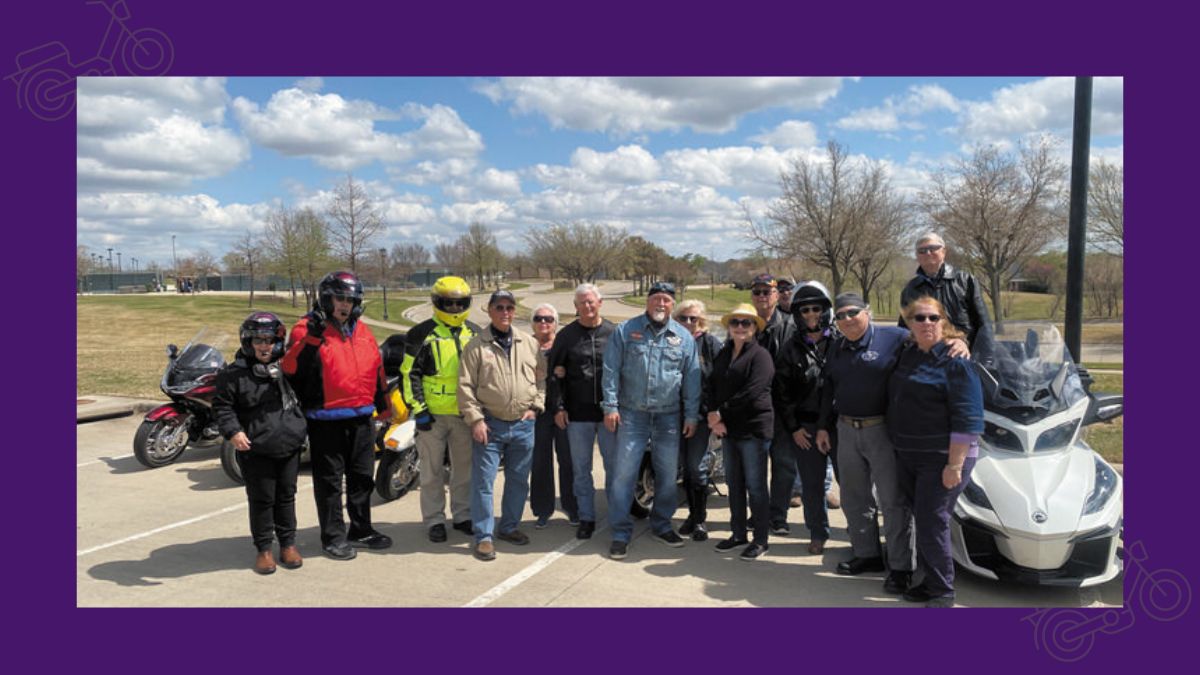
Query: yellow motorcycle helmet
[(451, 299)]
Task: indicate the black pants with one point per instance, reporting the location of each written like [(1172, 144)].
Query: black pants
[(920, 476), (271, 491), (811, 465), (342, 448), (695, 481), (548, 442), (783, 472)]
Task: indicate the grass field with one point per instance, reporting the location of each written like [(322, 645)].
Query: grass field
[(1108, 438), (121, 340)]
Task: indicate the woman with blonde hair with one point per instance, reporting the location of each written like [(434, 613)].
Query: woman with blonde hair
[(691, 314)]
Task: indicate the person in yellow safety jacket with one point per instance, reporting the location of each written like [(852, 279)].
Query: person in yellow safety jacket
[(429, 378)]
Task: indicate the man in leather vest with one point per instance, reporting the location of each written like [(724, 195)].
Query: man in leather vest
[(956, 289)]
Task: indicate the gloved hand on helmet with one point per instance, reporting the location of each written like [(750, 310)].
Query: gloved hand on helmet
[(316, 322)]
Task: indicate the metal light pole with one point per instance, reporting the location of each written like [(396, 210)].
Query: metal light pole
[(174, 260), (383, 279), (134, 265), (111, 283), (118, 261), (1081, 136)]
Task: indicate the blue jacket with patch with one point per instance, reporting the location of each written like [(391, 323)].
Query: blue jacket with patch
[(651, 371)]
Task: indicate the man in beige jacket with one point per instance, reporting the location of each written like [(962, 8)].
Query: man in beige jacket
[(501, 390)]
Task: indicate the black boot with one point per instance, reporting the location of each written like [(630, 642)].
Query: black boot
[(698, 511)]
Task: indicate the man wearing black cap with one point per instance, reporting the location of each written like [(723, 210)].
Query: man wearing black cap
[(650, 368)]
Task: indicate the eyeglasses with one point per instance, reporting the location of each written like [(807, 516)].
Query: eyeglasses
[(687, 318), (848, 314), (741, 323), (931, 318), (762, 291), (926, 250), (811, 309), (504, 308), (262, 342), (542, 318)]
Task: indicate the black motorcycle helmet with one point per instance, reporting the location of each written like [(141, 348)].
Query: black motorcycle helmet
[(812, 293), (340, 283), (262, 324)]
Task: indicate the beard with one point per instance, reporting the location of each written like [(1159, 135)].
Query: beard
[(658, 315)]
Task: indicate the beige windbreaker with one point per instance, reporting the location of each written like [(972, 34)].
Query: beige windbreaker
[(501, 385)]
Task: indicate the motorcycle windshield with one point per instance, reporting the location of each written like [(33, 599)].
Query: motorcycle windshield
[(1034, 375), (201, 356)]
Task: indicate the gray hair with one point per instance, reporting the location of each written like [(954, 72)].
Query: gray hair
[(931, 238), (585, 288), (544, 305), (697, 305)]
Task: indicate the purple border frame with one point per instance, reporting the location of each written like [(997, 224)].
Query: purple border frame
[(545, 38)]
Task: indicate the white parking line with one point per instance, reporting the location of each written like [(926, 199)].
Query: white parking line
[(102, 459), (172, 526), (497, 591)]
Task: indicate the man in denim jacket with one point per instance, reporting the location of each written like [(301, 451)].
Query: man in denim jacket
[(650, 367)]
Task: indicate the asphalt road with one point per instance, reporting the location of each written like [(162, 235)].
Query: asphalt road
[(178, 536)]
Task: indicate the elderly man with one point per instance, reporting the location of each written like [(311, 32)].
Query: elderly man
[(576, 362), (956, 289), (501, 390), (650, 369)]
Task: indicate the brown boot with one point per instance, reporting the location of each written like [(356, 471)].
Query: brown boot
[(816, 546), (289, 557), (264, 563)]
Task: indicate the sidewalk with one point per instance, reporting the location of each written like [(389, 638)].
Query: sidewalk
[(100, 407)]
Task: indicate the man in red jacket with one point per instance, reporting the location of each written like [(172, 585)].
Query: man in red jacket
[(334, 364)]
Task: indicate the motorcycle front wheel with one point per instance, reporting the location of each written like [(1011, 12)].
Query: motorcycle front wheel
[(398, 472), (229, 463), (160, 442), (643, 489)]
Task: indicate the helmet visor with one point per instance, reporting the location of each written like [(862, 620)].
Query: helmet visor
[(452, 305)]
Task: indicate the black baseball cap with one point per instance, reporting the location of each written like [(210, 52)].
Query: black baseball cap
[(502, 295), (661, 287)]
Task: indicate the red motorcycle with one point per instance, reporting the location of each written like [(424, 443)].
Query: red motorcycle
[(190, 382)]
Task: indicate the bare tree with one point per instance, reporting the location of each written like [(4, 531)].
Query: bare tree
[(449, 256), (1106, 207), (884, 224), (1104, 279), (998, 208), (579, 251), (407, 258), (354, 221), (312, 251), (83, 262), (480, 254), (249, 250), (204, 263)]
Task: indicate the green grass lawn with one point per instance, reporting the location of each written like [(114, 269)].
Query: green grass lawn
[(373, 306), (1108, 438), (121, 340)]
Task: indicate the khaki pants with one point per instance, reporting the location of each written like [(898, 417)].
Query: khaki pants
[(448, 432), (866, 459)]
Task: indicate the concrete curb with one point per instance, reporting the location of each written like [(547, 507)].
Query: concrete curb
[(96, 408)]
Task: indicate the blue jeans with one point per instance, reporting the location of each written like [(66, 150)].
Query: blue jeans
[(661, 432), (513, 441), (746, 472), (582, 436)]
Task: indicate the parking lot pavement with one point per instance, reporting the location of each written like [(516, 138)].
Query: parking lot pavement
[(178, 536)]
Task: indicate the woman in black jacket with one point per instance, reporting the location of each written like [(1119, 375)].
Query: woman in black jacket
[(740, 413), (258, 413), (690, 313)]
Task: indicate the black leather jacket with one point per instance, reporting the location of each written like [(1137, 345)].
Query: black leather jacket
[(264, 407), (960, 294), (579, 351), (778, 331), (797, 386)]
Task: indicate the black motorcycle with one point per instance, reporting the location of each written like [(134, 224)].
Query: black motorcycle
[(190, 382), (643, 489)]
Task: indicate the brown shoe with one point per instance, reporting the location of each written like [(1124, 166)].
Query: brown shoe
[(485, 550), (816, 546), (289, 557), (796, 502), (264, 563)]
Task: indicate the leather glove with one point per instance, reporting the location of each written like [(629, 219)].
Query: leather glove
[(316, 322), (424, 421)]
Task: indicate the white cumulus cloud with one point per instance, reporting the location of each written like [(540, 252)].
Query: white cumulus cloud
[(789, 134), (1044, 105)]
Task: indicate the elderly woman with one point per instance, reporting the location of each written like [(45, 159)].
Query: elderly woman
[(935, 417), (690, 314), (549, 440), (740, 413)]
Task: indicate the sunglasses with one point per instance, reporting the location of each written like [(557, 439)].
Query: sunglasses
[(762, 291), (811, 309), (931, 318), (848, 314), (343, 298), (262, 342), (542, 318), (686, 318), (926, 250), (504, 308), (741, 323)]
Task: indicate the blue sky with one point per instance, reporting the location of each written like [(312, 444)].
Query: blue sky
[(675, 160)]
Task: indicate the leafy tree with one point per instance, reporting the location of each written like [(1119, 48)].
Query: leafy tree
[(579, 251)]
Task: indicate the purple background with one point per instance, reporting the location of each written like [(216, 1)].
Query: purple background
[(228, 38)]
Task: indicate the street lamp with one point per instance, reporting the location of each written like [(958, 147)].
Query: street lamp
[(383, 279), (174, 260), (134, 265), (118, 261), (112, 285)]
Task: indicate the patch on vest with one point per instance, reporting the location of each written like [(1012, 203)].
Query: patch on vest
[(674, 340), (870, 355), (635, 336)]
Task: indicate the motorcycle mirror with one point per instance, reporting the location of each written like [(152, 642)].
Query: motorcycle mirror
[(1104, 407), (172, 351)]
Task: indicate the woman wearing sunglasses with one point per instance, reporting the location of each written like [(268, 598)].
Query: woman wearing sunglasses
[(691, 314), (740, 413), (549, 439), (934, 417)]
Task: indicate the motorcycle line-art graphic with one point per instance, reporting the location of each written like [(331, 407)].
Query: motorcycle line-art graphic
[(45, 75), (1069, 634)]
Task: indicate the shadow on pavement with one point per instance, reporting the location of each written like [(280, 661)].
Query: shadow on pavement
[(179, 560)]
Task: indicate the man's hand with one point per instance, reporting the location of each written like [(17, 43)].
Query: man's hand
[(561, 420), (713, 418), (802, 438), (719, 429), (959, 349), (528, 415), (689, 429), (424, 421), (479, 432), (316, 321), (240, 442), (611, 421), (823, 443)]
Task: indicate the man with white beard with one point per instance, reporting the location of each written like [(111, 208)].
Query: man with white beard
[(650, 371)]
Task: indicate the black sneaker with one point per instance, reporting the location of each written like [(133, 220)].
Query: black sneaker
[(729, 544), (897, 582), (780, 529), (541, 523), (437, 533), (669, 538), (700, 533), (340, 551), (942, 601), (586, 528), (618, 550), (372, 540), (573, 519), (464, 527), (754, 552), (687, 527), (515, 537), (917, 594)]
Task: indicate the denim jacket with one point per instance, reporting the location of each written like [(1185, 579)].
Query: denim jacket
[(651, 372)]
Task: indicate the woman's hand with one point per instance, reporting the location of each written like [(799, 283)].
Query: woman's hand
[(801, 437), (951, 476), (240, 441), (823, 443), (719, 429)]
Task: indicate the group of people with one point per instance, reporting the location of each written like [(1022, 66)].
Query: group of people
[(807, 384)]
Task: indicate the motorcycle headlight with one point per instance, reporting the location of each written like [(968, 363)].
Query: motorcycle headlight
[(977, 496), (1057, 437), (1001, 438), (1106, 485)]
